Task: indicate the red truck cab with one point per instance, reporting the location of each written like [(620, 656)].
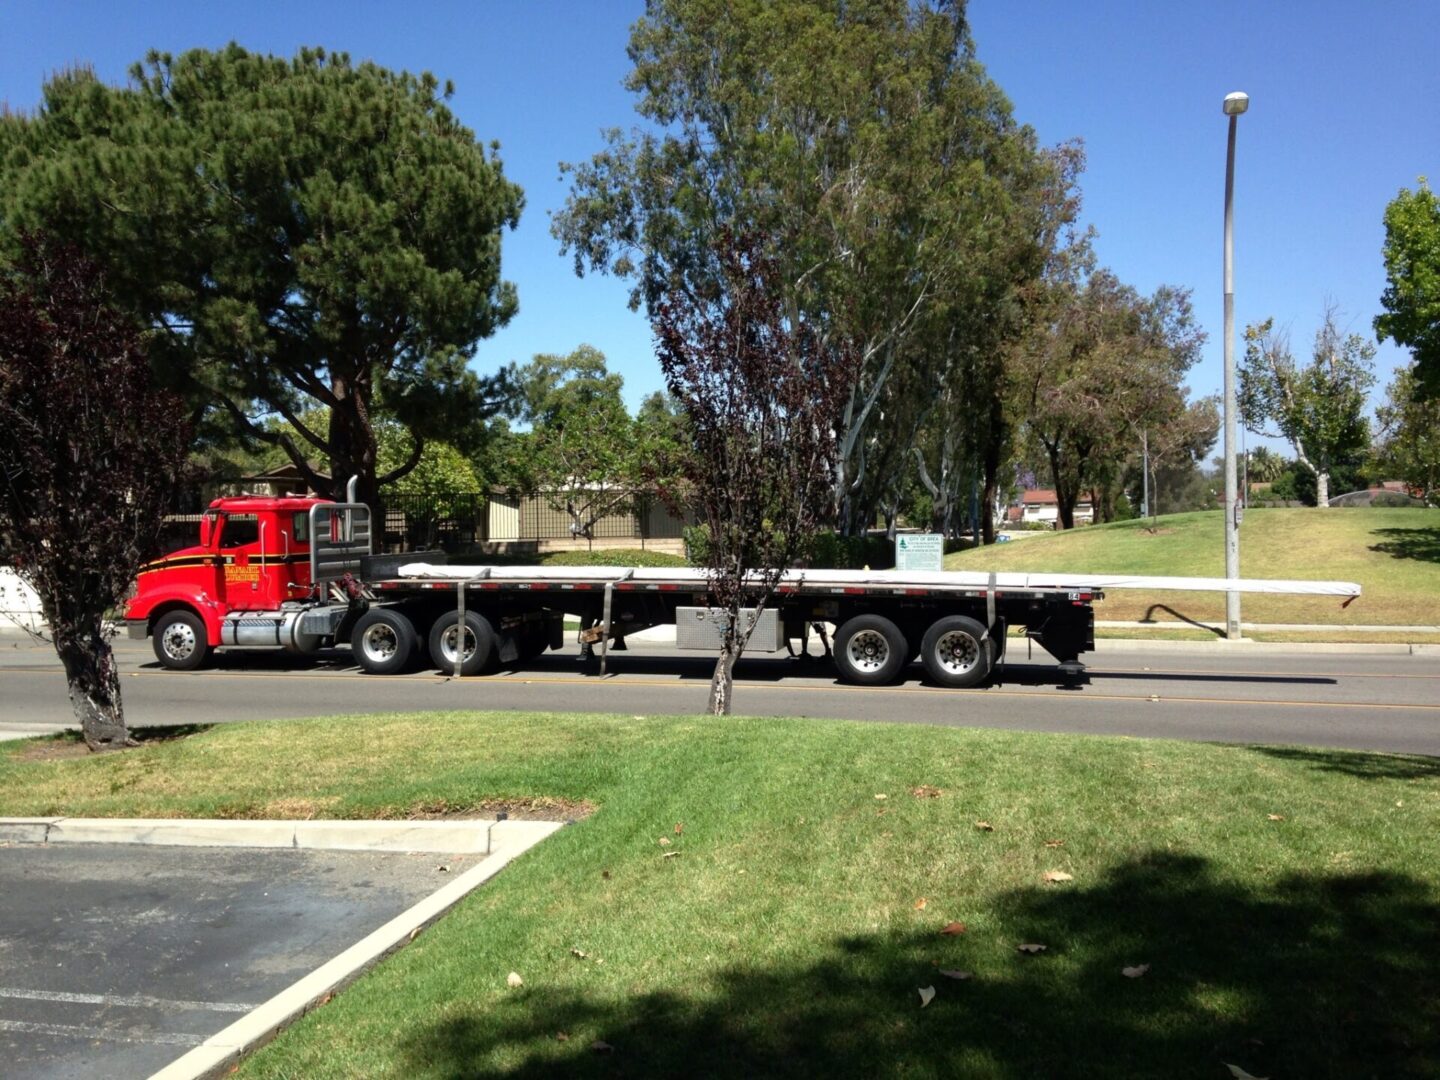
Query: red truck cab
[(251, 567)]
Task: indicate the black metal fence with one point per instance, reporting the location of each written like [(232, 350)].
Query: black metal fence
[(423, 522)]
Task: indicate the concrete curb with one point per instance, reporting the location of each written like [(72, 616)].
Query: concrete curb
[(475, 837), (219, 1053), (1310, 648)]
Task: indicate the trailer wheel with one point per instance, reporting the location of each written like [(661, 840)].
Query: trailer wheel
[(871, 650), (180, 642), (956, 652), (383, 641), (479, 643)]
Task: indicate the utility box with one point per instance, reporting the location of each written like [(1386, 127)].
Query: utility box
[(702, 628)]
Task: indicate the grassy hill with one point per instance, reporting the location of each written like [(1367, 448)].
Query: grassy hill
[(1393, 554)]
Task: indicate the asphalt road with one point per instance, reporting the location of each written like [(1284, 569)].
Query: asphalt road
[(1210, 692)]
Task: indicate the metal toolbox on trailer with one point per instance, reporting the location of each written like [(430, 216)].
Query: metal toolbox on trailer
[(700, 628)]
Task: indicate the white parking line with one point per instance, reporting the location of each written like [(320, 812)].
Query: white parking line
[(76, 1031), (133, 1000)]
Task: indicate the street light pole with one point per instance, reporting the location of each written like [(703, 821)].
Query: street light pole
[(1234, 105)]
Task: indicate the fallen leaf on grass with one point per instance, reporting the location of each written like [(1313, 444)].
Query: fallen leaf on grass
[(882, 796), (513, 980), (562, 1036), (1240, 1074), (1031, 948), (1135, 972), (952, 929), (1053, 876), (952, 974), (581, 953), (600, 1046), (1054, 843), (920, 904), (605, 874), (679, 827), (984, 826), (664, 841), (1276, 817), (926, 791), (414, 933), (927, 995), (669, 854)]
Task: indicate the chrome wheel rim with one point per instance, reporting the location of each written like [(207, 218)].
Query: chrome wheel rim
[(179, 641), (868, 650), (380, 642), (957, 652), (447, 645)]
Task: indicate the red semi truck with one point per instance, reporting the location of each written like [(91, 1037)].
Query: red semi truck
[(300, 574)]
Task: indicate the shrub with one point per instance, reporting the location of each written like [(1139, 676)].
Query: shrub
[(612, 557)]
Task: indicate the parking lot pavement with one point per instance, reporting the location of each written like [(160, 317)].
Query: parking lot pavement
[(117, 959)]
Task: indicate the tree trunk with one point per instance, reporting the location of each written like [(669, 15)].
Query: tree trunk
[(722, 682), (1322, 489), (352, 442), (94, 684)]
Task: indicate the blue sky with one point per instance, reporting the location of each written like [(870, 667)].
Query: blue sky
[(1345, 110)]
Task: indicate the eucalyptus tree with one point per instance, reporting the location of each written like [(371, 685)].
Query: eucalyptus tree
[(295, 232), (1099, 366), (1318, 408), (862, 139)]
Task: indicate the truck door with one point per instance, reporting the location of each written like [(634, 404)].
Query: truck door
[(240, 562)]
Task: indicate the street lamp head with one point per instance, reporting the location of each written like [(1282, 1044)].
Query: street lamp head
[(1236, 103)]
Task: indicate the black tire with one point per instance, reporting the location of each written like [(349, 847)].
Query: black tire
[(383, 641), (956, 652), (180, 642), (870, 650), (479, 643)]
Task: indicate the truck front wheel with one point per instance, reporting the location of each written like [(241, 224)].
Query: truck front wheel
[(383, 641), (180, 642), (870, 650), (956, 652)]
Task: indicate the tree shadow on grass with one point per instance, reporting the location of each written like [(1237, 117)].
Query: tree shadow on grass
[(1366, 765), (1320, 975), (1421, 543)]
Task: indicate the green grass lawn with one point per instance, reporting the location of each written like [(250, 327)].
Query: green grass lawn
[(1286, 900), (1393, 554)]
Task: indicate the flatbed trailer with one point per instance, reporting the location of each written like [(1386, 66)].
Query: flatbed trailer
[(955, 624), (299, 574)]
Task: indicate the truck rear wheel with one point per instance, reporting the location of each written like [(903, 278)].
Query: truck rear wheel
[(956, 652), (383, 641), (180, 642), (478, 647), (870, 650)]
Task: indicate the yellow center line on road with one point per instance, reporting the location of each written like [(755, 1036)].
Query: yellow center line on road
[(698, 684)]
